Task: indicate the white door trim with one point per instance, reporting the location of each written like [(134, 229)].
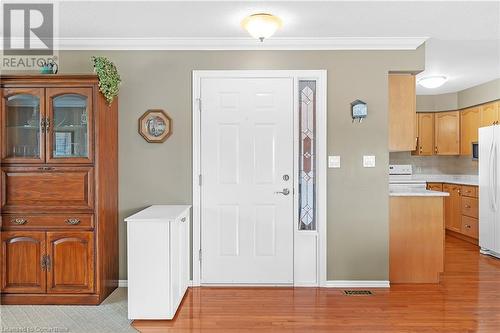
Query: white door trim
[(321, 150)]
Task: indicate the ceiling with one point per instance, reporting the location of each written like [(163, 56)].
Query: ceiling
[(463, 37)]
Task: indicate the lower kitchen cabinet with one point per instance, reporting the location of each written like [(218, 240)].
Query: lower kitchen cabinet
[(461, 210), (452, 207), (47, 262), (22, 262)]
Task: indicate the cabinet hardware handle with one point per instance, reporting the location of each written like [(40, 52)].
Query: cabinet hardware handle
[(47, 124), (45, 168), (43, 261), (183, 219), (47, 262), (19, 221), (42, 124), (436, 149), (467, 206), (72, 221), (467, 226)]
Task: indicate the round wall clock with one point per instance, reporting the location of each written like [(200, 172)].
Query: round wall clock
[(155, 126)]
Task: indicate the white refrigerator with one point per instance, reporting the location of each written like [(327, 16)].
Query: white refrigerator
[(489, 193)]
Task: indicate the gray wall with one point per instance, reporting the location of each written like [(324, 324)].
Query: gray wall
[(483, 93), (161, 173), (435, 103)]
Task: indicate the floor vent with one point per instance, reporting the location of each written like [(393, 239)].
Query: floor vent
[(357, 292)]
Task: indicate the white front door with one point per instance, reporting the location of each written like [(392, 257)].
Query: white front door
[(246, 157)]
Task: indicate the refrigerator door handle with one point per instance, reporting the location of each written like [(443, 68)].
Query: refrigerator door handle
[(495, 175), (490, 177)]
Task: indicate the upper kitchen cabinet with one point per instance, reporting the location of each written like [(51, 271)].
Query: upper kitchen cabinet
[(425, 134), (402, 112), (469, 126), (490, 114), (69, 125), (23, 125), (447, 133)]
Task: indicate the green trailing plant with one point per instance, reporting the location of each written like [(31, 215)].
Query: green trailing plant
[(109, 79)]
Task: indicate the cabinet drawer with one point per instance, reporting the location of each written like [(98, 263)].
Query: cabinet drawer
[(469, 207), (470, 227), (43, 189), (57, 221), (469, 191), (435, 187)]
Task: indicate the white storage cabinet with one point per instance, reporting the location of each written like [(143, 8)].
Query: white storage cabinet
[(158, 261)]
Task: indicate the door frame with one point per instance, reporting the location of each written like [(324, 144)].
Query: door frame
[(320, 76)]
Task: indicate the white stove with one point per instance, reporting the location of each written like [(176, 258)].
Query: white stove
[(401, 175)]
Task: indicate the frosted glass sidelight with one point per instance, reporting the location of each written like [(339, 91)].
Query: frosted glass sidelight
[(307, 155)]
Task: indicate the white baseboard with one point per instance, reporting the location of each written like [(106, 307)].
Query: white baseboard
[(328, 284), (124, 283), (357, 284)]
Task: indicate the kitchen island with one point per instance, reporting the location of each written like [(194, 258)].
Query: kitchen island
[(416, 235)]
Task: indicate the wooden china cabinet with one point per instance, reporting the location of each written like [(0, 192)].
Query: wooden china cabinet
[(59, 190)]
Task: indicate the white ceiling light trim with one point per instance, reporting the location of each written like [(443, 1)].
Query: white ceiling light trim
[(276, 43), (432, 82)]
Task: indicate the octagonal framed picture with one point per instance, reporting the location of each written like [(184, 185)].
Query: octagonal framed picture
[(155, 126)]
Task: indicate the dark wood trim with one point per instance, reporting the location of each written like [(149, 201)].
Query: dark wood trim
[(462, 236), (52, 299)]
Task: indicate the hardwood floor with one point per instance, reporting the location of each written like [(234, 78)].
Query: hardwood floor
[(466, 300)]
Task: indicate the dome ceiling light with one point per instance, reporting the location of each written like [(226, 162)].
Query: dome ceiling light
[(432, 82), (261, 25)]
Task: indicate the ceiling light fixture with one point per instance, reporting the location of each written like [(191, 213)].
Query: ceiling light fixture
[(261, 25), (432, 82)]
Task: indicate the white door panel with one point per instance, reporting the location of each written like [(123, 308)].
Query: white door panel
[(247, 147)]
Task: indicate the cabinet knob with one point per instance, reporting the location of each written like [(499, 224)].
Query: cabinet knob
[(19, 221), (467, 206), (436, 149), (72, 221), (183, 219), (467, 226)]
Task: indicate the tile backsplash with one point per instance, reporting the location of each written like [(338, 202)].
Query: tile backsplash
[(450, 165)]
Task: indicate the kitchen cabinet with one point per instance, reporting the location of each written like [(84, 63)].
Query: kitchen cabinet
[(23, 262), (469, 126), (461, 210), (425, 134), (402, 112), (490, 114), (435, 187), (59, 185), (452, 207), (416, 239), (447, 133)]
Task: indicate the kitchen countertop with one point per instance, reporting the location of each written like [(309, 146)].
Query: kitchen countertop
[(451, 179), (408, 191)]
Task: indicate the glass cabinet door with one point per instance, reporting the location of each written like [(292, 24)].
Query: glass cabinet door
[(69, 125), (23, 138)]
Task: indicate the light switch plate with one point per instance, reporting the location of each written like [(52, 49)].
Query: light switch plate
[(334, 161), (369, 161)]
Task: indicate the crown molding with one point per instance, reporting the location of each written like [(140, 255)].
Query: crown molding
[(174, 43)]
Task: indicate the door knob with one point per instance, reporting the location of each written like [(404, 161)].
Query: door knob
[(284, 192)]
